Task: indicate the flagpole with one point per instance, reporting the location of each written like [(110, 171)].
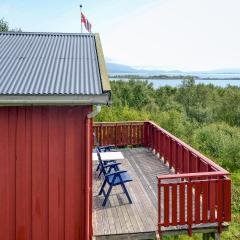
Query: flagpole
[(81, 16)]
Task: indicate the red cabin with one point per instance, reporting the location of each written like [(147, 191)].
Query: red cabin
[(48, 85)]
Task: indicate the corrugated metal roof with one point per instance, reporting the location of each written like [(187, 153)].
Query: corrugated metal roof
[(49, 63)]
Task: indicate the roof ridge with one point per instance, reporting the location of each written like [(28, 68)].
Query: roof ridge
[(46, 33)]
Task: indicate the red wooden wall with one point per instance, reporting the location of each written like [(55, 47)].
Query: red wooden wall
[(45, 173)]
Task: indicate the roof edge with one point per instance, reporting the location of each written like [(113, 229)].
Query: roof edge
[(46, 33), (55, 100), (102, 65)]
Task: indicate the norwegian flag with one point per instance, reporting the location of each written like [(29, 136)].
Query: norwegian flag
[(86, 23)]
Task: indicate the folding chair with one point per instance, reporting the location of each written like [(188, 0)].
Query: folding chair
[(106, 166), (107, 148), (113, 177)]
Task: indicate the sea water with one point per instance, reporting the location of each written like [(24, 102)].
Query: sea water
[(220, 80)]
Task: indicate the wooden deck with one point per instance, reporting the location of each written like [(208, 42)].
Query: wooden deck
[(121, 220), (119, 217)]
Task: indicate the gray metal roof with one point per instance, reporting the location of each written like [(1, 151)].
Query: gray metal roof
[(49, 64)]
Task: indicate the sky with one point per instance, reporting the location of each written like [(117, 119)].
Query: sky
[(188, 35)]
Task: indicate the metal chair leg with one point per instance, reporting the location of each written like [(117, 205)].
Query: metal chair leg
[(102, 188), (98, 167), (126, 192), (100, 173), (107, 195)]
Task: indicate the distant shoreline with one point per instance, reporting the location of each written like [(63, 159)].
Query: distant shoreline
[(167, 77)]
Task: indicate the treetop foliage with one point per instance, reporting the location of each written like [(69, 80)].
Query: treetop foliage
[(205, 116), (3, 25)]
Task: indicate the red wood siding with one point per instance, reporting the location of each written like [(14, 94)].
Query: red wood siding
[(45, 164)]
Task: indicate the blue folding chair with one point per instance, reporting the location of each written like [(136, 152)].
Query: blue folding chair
[(107, 148), (113, 177), (106, 166)]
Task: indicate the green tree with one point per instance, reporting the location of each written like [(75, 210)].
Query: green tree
[(228, 106), (3, 25)]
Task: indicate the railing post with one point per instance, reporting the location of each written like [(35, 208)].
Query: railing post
[(189, 207), (151, 128), (155, 140), (227, 199), (146, 134), (159, 207), (100, 134), (115, 134)]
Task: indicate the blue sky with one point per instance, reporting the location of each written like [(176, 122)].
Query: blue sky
[(168, 34)]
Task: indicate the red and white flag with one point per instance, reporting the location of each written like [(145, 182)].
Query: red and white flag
[(86, 23)]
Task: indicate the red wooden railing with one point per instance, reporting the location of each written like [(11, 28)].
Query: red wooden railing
[(179, 155), (119, 133), (198, 192), (193, 201)]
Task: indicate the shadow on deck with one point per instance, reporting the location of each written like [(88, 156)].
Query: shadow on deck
[(119, 217)]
